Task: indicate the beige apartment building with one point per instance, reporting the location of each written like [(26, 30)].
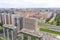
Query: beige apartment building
[(5, 18), (30, 30)]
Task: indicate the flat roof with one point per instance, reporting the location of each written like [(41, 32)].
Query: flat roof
[(31, 33), (9, 26)]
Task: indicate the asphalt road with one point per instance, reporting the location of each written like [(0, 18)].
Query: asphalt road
[(51, 28)]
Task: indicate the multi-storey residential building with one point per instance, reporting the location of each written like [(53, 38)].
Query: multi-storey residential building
[(17, 20), (10, 32), (2, 17), (13, 19), (29, 26), (6, 18), (26, 34), (30, 23), (30, 30)]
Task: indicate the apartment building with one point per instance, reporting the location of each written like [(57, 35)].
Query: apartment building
[(10, 32), (13, 19), (30, 30), (17, 20), (2, 17), (30, 23), (5, 18)]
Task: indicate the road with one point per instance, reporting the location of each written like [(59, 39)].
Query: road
[(57, 28), (1, 35)]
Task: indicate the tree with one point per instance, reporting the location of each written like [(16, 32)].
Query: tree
[(1, 24), (58, 20), (1, 30)]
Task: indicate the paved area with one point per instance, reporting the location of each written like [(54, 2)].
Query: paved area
[(57, 28), (1, 35)]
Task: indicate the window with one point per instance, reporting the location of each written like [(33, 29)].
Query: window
[(15, 21), (21, 22), (7, 21), (10, 19), (3, 20), (5, 32), (10, 35)]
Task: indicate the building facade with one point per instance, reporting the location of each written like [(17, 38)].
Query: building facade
[(6, 18), (28, 35), (30, 30), (10, 32), (30, 23), (12, 19), (17, 20)]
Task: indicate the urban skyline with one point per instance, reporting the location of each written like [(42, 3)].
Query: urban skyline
[(30, 24)]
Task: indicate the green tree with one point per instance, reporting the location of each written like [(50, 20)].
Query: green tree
[(54, 23), (1, 24), (1, 30), (58, 20), (4, 38)]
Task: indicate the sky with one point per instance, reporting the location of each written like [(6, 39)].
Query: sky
[(29, 3)]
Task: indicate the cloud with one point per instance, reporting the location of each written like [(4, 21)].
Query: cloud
[(29, 3)]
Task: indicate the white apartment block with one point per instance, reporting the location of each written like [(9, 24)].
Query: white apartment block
[(17, 20), (13, 19), (10, 32)]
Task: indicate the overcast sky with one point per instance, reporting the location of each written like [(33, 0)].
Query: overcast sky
[(29, 3)]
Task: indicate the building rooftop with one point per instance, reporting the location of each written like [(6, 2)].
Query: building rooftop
[(31, 32), (9, 26)]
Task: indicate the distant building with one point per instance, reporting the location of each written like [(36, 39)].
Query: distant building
[(43, 17)]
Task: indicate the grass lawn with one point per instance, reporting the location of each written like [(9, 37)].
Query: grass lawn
[(47, 24), (44, 24), (0, 39), (49, 31)]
